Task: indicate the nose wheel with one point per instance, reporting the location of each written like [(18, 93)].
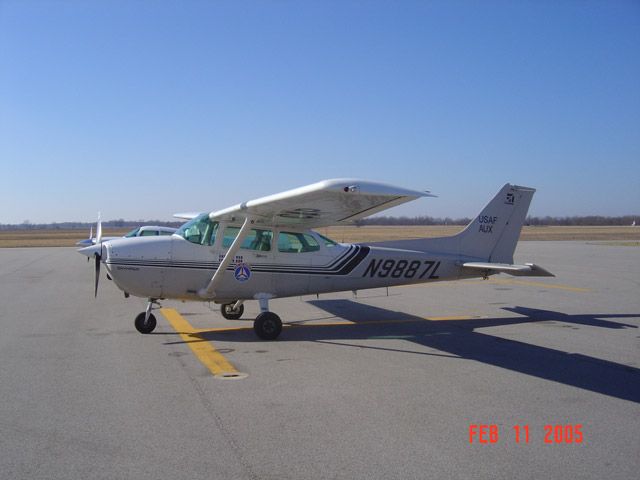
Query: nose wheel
[(145, 322), (233, 310)]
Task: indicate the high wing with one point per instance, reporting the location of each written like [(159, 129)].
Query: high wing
[(322, 204)]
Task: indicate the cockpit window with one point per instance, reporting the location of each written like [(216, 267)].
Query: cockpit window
[(327, 241), (201, 230), (256, 239), (290, 242), (133, 233)]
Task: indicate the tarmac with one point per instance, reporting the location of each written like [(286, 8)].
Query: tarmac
[(504, 378)]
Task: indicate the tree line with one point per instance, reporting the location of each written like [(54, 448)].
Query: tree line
[(589, 220), (119, 223)]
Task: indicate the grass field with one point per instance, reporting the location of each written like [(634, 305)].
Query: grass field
[(629, 236)]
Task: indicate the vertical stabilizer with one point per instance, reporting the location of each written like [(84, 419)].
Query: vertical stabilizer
[(490, 237), (494, 233)]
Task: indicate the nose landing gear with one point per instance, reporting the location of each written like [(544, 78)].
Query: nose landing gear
[(145, 322), (233, 310)]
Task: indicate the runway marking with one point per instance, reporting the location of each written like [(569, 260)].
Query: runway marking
[(529, 283), (204, 350)]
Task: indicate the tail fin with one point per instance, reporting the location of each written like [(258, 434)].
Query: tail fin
[(490, 237), (494, 233)]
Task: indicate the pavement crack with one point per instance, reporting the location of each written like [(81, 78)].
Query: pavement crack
[(236, 449)]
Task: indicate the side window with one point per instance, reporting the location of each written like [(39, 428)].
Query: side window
[(209, 236), (290, 242), (256, 239), (327, 241), (148, 233), (230, 234)]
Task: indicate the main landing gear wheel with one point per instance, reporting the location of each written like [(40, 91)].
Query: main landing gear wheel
[(229, 313), (267, 326), (145, 325)]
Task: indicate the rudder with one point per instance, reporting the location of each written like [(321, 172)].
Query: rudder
[(494, 233)]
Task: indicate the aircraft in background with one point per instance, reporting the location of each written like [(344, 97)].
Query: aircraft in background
[(265, 249), (143, 231)]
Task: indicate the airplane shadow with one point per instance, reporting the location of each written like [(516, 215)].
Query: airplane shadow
[(457, 339)]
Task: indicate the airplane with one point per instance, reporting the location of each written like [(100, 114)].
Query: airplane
[(143, 231), (266, 248)]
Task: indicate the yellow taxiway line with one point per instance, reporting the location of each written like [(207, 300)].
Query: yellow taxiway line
[(220, 367), (204, 350)]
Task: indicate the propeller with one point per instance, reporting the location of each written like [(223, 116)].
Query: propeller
[(98, 258), (91, 236), (95, 251), (99, 230)]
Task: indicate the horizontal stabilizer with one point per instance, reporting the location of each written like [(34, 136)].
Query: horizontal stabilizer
[(526, 270)]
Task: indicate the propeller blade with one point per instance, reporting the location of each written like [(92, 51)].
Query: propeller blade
[(98, 257), (99, 230)]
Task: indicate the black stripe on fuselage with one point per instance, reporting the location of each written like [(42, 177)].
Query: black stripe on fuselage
[(356, 254), (334, 264)]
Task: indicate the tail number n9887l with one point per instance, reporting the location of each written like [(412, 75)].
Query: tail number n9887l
[(402, 269)]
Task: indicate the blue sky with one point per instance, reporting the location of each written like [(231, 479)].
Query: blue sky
[(140, 109)]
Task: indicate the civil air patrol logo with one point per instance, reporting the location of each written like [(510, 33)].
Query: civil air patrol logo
[(242, 272), (510, 199)]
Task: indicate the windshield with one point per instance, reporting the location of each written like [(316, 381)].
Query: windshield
[(201, 230), (133, 233)]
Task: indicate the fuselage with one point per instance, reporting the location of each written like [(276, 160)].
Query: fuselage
[(297, 263)]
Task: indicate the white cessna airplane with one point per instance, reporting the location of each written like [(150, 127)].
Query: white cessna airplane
[(265, 248)]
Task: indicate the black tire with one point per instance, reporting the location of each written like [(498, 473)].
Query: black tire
[(267, 326), (227, 311), (145, 327)]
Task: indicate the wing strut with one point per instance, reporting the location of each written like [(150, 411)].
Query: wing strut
[(209, 290)]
